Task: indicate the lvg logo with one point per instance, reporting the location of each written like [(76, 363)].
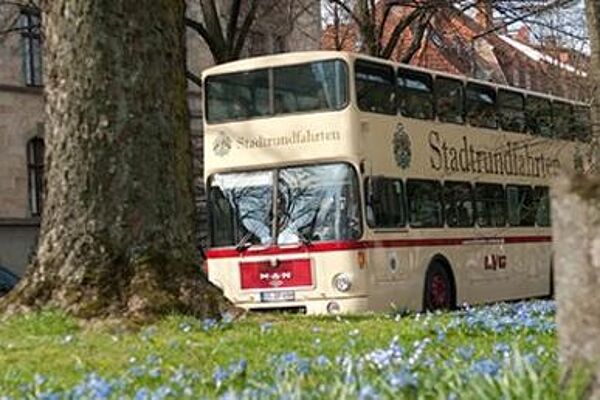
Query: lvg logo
[(494, 262)]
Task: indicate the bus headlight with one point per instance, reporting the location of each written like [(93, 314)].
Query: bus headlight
[(342, 282)]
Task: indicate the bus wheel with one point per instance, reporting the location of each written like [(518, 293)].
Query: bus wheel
[(439, 290)]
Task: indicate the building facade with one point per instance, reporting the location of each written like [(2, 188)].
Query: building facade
[(22, 109), (21, 140)]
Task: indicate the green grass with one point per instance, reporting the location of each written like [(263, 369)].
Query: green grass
[(443, 356)]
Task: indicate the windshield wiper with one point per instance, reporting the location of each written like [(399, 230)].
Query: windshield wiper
[(243, 244), (307, 239)]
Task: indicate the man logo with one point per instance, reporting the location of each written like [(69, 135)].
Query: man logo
[(222, 144), (401, 147)]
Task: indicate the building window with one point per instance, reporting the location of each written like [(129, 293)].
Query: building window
[(30, 24), (35, 167)]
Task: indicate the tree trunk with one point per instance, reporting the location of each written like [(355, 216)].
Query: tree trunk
[(576, 220), (117, 235)]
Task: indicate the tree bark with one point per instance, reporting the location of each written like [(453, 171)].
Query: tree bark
[(117, 235), (576, 221)]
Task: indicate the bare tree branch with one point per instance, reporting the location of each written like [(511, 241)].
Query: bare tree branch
[(193, 78), (397, 32)]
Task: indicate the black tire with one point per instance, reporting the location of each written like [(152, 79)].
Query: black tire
[(439, 288)]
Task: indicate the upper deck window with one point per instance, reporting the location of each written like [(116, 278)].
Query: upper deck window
[(375, 89), (310, 87), (511, 110), (237, 96), (415, 94), (317, 86), (449, 100), (539, 116), (481, 106)]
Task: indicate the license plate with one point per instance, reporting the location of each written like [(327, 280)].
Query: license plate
[(283, 295)]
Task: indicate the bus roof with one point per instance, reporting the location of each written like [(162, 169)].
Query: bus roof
[(283, 59)]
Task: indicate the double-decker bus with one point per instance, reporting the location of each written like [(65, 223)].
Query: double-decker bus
[(343, 183)]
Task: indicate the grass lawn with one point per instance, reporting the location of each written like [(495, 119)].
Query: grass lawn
[(501, 351)]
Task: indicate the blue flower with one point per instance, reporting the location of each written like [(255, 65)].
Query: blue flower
[(402, 379), (368, 392), (209, 323), (219, 376), (465, 352), (142, 394), (266, 327), (485, 367), (321, 360)]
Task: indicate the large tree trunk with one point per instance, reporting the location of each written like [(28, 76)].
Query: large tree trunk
[(117, 236), (576, 220)]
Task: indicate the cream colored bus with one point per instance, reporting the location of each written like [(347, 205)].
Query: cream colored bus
[(343, 183)]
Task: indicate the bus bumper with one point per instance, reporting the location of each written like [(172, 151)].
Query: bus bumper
[(332, 306)]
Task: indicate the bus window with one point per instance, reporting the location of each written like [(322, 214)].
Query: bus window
[(316, 203), (449, 100), (582, 123), (424, 203), (490, 205), (458, 204), (241, 208), (521, 205), (511, 110), (385, 203), (481, 106), (562, 114), (310, 87), (542, 201), (415, 94), (237, 96), (539, 116), (375, 87)]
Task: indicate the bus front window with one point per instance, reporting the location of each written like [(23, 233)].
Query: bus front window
[(314, 203), (241, 208), (317, 203)]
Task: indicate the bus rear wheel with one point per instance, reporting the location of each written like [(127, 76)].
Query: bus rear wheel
[(439, 289)]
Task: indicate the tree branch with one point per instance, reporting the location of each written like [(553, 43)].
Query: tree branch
[(193, 78), (244, 29), (417, 40), (397, 32), (212, 25), (234, 15)]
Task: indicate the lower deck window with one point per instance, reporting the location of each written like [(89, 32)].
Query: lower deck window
[(458, 204), (490, 205), (521, 205), (542, 200), (424, 203), (385, 203)]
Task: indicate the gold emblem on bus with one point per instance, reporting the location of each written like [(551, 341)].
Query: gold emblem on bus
[(222, 144), (401, 146)]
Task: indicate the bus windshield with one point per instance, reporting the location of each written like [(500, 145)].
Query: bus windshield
[(314, 203), (309, 87)]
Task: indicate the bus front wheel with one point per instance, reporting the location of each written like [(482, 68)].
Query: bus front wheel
[(439, 288)]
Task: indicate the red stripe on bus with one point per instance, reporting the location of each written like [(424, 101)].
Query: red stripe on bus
[(320, 247)]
